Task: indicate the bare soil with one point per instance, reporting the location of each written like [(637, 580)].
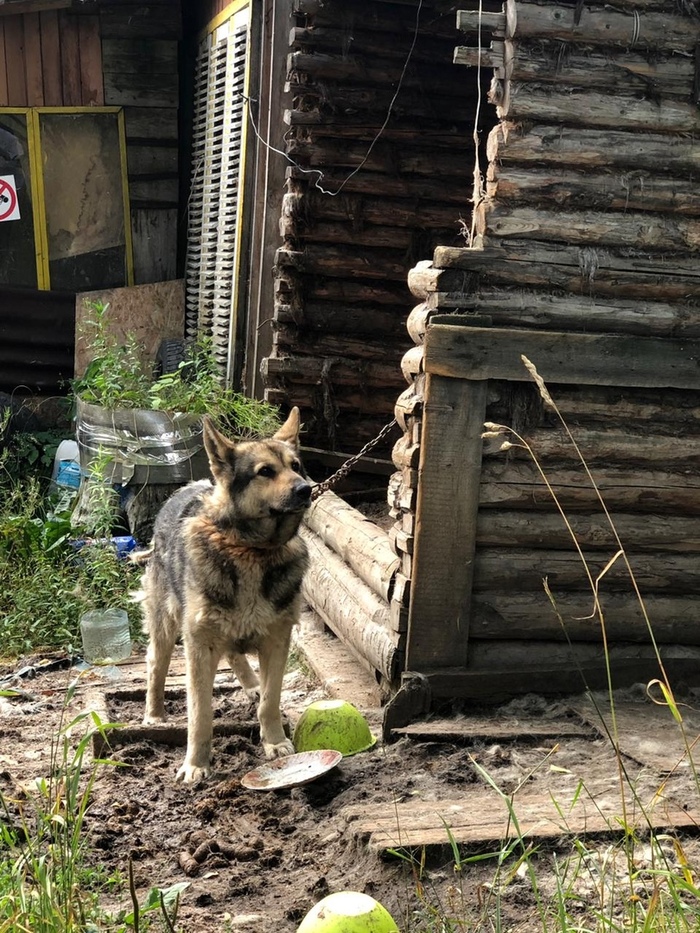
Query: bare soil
[(257, 861)]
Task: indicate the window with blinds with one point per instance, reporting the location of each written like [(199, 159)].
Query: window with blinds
[(215, 204)]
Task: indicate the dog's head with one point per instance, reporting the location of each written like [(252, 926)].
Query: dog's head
[(260, 487)]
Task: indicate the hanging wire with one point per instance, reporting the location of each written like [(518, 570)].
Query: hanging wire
[(316, 171), (478, 192)]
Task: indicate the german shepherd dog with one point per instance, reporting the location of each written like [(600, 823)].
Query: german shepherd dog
[(225, 571)]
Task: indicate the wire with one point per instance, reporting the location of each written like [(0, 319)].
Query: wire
[(316, 171)]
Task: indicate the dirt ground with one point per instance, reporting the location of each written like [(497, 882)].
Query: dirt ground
[(255, 861)]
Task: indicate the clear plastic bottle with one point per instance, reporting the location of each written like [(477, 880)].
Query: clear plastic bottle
[(105, 634)]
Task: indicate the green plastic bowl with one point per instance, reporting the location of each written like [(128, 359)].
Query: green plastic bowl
[(348, 912), (333, 724)]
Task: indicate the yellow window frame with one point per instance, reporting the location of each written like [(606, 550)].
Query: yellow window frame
[(37, 185)]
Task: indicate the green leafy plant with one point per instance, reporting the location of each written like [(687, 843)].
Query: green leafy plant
[(118, 377)]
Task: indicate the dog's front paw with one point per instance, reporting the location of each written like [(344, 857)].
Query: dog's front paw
[(278, 750), (192, 774), (153, 720)]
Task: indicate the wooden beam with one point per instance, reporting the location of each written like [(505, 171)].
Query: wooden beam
[(502, 669), (450, 467), (478, 353), (31, 6)]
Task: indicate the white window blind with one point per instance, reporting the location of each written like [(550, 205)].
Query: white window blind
[(214, 215)]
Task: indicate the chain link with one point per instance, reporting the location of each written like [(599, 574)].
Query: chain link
[(343, 471)]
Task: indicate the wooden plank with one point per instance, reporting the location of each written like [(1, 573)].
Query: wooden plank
[(154, 234), (438, 625), (32, 6), (140, 90), (144, 125), (4, 97), (91, 82), (656, 534), (647, 732), (14, 60), (494, 728), (519, 485), (499, 670), (33, 63), (140, 56), (483, 816), (51, 59), (70, 59), (478, 353)]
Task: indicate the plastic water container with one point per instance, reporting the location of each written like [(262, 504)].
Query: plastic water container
[(105, 634), (66, 466)]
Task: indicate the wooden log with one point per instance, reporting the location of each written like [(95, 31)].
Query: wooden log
[(602, 26), (349, 234), (351, 320), (382, 18), (645, 411), (512, 570), (502, 669), (527, 529), (611, 446), (425, 277), (329, 260), (586, 148), (412, 363), (351, 399), (590, 228), (545, 62), (519, 485), (529, 616), (476, 21), (581, 270), (356, 615), (519, 308), (446, 523), (453, 190), (377, 208), (307, 343), (445, 120), (589, 108), (391, 159), (337, 370), (567, 190), (367, 42), (368, 70), (361, 543), (577, 359)]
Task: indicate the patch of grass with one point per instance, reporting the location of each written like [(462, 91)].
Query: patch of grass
[(48, 880)]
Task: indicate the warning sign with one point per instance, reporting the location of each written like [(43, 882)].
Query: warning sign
[(9, 205)]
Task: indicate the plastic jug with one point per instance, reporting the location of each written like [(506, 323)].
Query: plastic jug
[(105, 634), (66, 466)]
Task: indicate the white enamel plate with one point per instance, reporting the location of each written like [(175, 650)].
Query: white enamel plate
[(292, 771)]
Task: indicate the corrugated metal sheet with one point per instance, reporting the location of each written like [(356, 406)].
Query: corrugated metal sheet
[(37, 337)]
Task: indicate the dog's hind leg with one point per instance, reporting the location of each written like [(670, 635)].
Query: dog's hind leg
[(202, 662), (162, 628), (273, 652), (247, 677)]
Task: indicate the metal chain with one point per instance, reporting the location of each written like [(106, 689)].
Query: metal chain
[(350, 463)]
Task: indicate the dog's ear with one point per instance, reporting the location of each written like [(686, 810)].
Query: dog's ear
[(289, 432), (220, 449)]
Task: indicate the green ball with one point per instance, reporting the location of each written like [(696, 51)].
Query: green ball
[(348, 912)]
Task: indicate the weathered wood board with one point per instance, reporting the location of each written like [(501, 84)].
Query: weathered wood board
[(482, 816)]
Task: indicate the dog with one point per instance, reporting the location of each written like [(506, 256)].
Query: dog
[(224, 572)]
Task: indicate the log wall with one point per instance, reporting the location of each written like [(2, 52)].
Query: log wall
[(585, 259), (357, 214)]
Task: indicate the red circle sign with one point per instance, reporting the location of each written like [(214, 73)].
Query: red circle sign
[(7, 191)]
